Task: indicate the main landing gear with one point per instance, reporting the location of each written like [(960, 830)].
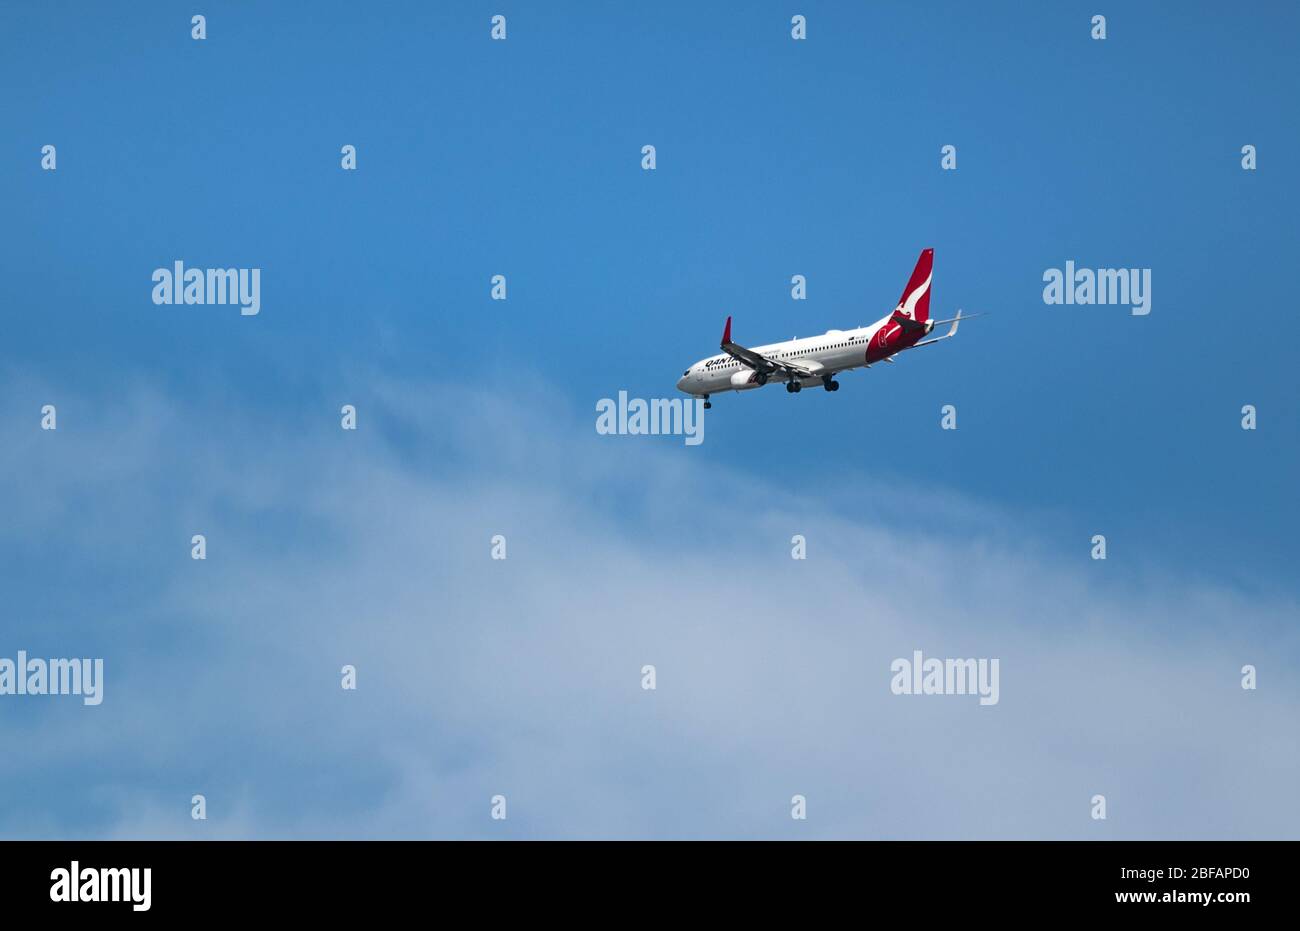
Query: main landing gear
[(707, 403), (829, 383)]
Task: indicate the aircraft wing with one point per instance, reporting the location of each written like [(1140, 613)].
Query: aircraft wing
[(761, 363)]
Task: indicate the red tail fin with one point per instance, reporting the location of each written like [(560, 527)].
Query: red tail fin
[(915, 302)]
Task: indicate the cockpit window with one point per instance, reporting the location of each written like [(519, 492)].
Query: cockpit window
[(687, 372)]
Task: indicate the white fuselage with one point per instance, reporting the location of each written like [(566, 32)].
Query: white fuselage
[(832, 352)]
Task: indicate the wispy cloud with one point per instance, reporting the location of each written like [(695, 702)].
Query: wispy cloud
[(522, 677)]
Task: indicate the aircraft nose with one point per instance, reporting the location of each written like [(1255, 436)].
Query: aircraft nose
[(681, 383)]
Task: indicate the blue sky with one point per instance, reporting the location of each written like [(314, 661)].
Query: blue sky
[(522, 158)]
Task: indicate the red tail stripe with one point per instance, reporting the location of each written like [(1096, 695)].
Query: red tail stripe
[(924, 267)]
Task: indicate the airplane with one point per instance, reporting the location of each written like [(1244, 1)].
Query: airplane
[(801, 363)]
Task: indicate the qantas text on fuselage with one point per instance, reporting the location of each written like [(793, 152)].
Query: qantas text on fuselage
[(801, 363)]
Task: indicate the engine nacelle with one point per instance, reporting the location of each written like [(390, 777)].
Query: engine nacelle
[(747, 378)]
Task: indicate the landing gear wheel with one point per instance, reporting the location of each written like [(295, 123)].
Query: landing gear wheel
[(707, 404), (793, 387), (761, 378), (830, 384)]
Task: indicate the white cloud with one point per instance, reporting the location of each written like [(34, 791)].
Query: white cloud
[(522, 677)]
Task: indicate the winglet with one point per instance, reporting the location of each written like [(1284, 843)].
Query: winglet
[(726, 333)]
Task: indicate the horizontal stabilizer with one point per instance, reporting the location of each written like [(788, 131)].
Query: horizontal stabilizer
[(951, 332)]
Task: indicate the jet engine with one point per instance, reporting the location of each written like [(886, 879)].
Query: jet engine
[(747, 378)]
